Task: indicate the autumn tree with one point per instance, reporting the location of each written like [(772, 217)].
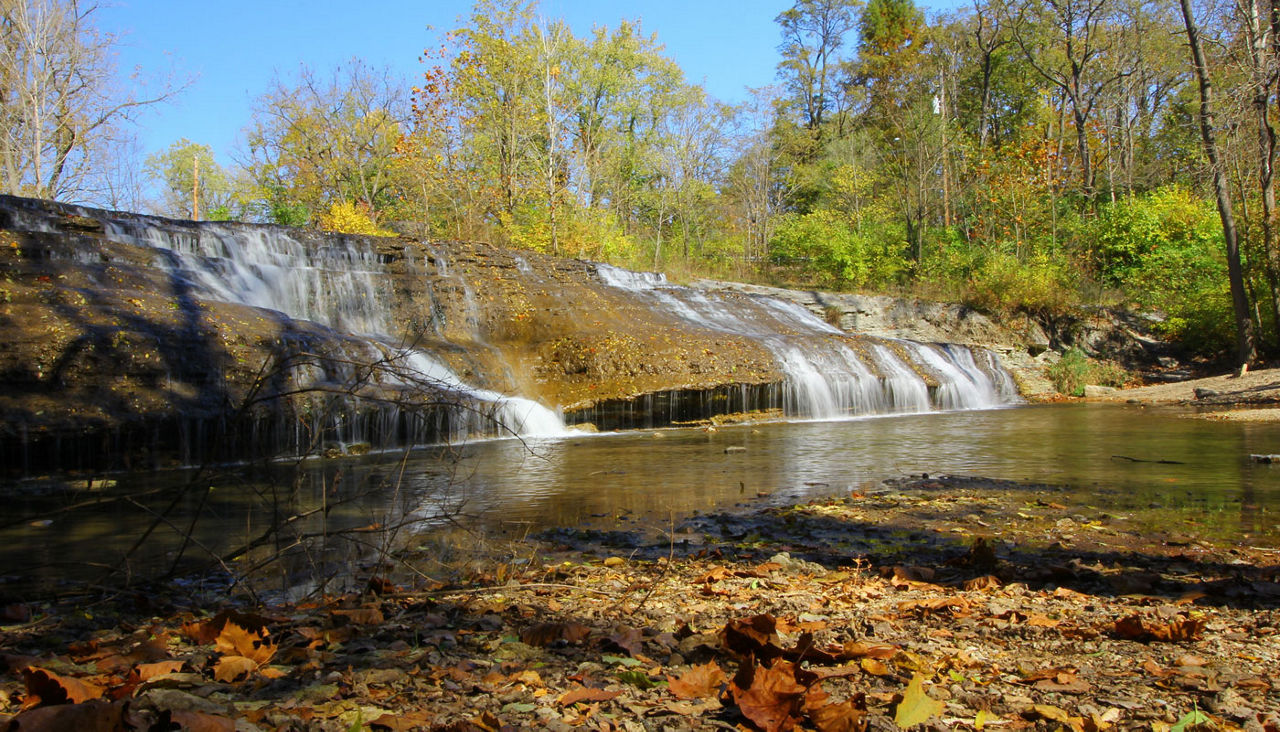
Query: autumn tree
[(63, 114), (322, 141), (193, 185), (813, 34)]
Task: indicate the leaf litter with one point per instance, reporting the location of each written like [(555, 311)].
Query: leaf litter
[(856, 613)]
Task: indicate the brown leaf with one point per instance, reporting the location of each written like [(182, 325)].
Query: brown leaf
[(206, 631), (1154, 669), (755, 636), (1059, 715), (230, 668), (585, 694), (148, 671), (544, 634), (858, 649), (361, 616), (45, 688), (626, 640), (1134, 627), (94, 715), (913, 574), (954, 606), (770, 697), (985, 582), (236, 641), (193, 721), (826, 716), (698, 682), (404, 721)]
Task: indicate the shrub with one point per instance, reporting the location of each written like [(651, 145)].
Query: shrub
[(1075, 370)]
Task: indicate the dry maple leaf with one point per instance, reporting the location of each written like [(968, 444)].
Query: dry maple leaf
[(1134, 627), (236, 641), (147, 671), (45, 688), (858, 649), (752, 637), (698, 682), (585, 694), (916, 706), (361, 616), (230, 668), (985, 582), (771, 697), (828, 716)]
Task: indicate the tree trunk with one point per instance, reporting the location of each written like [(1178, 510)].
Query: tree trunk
[(1239, 300)]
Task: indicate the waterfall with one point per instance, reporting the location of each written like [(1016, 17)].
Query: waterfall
[(336, 282), (826, 375), (330, 314)]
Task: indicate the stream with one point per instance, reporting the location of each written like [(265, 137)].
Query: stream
[(1190, 473)]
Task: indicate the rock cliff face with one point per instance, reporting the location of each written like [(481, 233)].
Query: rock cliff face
[(132, 341)]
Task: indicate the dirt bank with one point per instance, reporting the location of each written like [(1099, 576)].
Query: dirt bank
[(1253, 396)]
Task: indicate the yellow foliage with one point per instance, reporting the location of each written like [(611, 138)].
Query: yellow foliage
[(345, 217)]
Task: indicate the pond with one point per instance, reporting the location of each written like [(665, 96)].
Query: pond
[(1192, 472)]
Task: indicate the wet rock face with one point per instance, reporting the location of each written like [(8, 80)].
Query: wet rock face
[(150, 341)]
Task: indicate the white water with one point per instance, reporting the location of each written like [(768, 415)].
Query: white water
[(336, 284), (826, 376)]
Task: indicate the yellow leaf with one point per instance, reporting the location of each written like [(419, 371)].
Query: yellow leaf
[(230, 668), (916, 706)]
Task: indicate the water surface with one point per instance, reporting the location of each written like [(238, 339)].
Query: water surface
[(1195, 473)]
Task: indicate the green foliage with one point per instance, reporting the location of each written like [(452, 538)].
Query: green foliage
[(1003, 284), (222, 195), (1075, 370), (1135, 234), (839, 254)]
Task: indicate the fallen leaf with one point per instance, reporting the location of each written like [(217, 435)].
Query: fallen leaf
[(585, 694), (1059, 715), (698, 682), (874, 667), (230, 668), (193, 721), (237, 641), (985, 582), (828, 716), (45, 688), (916, 706), (361, 615), (147, 671), (770, 697)]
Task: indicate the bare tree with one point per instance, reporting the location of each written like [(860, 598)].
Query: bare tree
[(61, 112)]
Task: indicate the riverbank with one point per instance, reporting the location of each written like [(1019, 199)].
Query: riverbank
[(954, 602), (1253, 396)]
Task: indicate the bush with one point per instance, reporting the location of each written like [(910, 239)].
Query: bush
[(1075, 370), (1002, 284), (346, 217), (838, 254)]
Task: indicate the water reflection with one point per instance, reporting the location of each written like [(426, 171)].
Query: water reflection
[(1118, 458)]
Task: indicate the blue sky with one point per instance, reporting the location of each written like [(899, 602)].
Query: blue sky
[(232, 49)]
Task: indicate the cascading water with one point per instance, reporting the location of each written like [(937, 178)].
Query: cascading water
[(825, 376), (336, 285), (161, 324)]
